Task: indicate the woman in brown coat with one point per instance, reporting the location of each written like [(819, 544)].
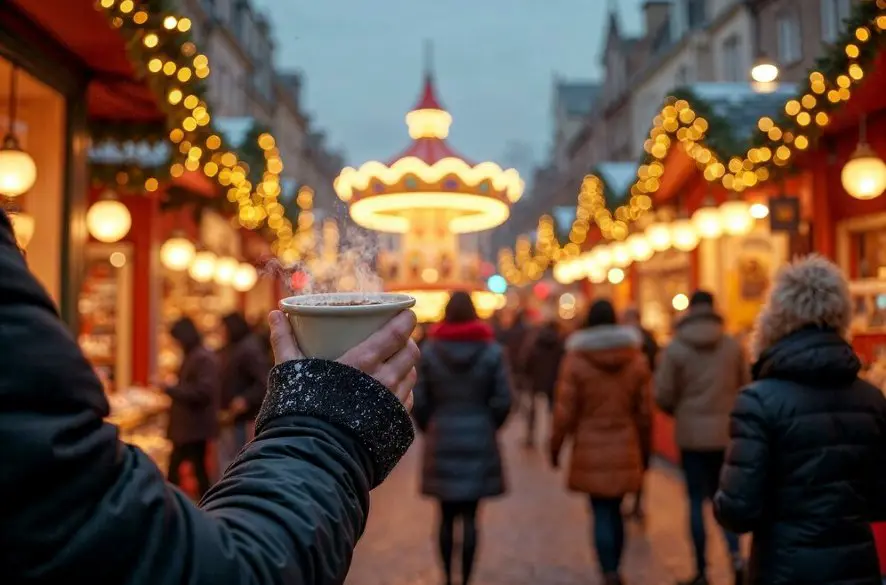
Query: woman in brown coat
[(603, 402)]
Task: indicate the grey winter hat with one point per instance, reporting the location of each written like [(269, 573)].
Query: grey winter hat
[(809, 292)]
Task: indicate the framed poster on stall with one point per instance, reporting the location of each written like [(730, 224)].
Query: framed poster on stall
[(105, 309)]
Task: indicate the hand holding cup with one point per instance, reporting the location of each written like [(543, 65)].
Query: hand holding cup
[(389, 355)]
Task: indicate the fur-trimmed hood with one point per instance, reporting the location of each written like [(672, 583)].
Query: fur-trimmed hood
[(810, 292), (610, 347), (701, 328)]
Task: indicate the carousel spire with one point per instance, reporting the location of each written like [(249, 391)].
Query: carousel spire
[(429, 99)]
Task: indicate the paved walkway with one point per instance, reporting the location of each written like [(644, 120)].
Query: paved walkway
[(537, 534)]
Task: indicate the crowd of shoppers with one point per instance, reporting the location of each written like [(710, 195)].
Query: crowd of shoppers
[(788, 444), (791, 450)]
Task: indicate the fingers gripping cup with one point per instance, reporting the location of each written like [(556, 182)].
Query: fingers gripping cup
[(328, 325)]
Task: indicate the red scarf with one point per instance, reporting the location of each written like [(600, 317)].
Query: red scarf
[(469, 331)]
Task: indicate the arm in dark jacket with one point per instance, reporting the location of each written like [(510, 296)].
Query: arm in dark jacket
[(667, 380), (76, 504), (200, 382), (500, 398), (738, 504)]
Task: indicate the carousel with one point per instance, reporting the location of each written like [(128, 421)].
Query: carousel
[(431, 203)]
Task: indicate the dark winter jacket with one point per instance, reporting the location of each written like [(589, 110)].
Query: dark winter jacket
[(79, 506), (541, 359), (806, 467), (650, 348), (462, 398), (193, 415), (245, 367)]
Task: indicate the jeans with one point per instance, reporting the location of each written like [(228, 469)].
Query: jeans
[(609, 532), (702, 472)]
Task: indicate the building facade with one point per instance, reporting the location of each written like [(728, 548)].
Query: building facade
[(793, 33)]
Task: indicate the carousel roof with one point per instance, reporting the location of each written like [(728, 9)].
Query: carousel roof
[(429, 174)]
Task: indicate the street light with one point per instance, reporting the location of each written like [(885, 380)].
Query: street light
[(764, 70)]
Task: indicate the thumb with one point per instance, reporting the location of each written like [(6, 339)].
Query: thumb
[(283, 339)]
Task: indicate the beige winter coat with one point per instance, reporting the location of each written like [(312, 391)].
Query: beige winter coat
[(698, 379)]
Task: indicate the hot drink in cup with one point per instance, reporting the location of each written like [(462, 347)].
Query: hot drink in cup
[(328, 325)]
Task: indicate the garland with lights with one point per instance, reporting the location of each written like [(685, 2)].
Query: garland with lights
[(708, 139), (159, 43)]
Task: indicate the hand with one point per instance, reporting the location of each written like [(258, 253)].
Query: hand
[(389, 355)]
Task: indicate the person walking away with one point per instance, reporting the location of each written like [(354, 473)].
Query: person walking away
[(602, 402), (288, 512), (697, 380), (806, 466), (631, 318), (462, 398), (245, 368), (193, 415), (541, 358)]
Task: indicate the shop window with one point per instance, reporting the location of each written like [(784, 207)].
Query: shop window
[(833, 14), (790, 39), (696, 13), (40, 129), (732, 67)]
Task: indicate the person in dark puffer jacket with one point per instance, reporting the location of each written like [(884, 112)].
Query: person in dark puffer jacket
[(77, 505), (805, 471), (462, 398)]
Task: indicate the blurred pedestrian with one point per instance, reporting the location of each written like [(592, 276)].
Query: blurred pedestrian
[(541, 358), (602, 402), (462, 399), (245, 368), (631, 318), (697, 380), (288, 512), (806, 466), (193, 416)]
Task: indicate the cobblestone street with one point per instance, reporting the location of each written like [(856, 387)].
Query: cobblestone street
[(537, 534)]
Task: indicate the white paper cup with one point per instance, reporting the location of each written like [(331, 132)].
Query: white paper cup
[(326, 327)]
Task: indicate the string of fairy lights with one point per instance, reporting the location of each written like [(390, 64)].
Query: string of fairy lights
[(779, 141), (160, 42)]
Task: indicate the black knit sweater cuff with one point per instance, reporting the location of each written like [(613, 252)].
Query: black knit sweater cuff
[(347, 398)]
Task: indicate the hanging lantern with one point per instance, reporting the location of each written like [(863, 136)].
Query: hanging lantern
[(621, 254), (18, 172), (639, 247), (864, 176), (683, 235), (602, 256), (759, 211), (108, 220), (225, 269), (658, 235), (245, 277), (177, 253), (736, 217), (707, 222), (202, 269), (23, 227), (616, 275)]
